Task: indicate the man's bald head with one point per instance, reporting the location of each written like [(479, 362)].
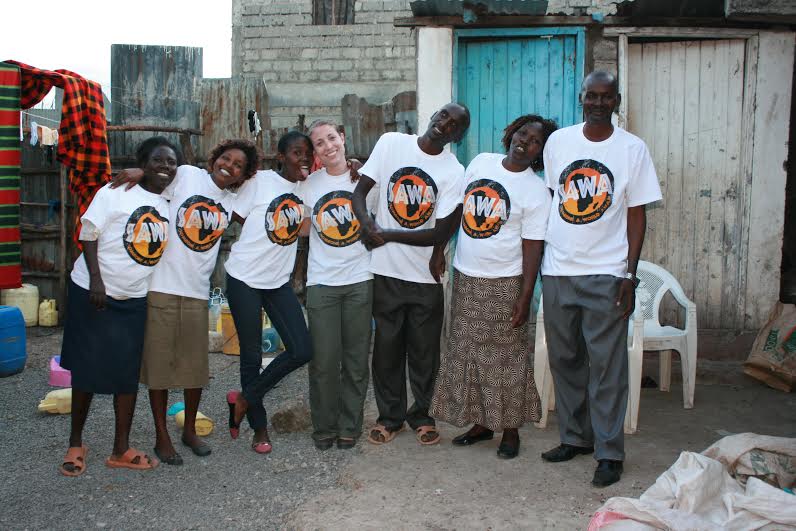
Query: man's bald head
[(603, 78)]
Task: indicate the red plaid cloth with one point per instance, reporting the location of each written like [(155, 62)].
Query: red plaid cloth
[(82, 135)]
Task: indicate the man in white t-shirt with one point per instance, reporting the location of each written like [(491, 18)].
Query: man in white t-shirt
[(419, 188), (601, 178)]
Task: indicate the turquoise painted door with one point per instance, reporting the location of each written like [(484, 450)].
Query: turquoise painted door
[(505, 73)]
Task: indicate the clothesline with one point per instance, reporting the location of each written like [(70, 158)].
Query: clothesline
[(41, 118)]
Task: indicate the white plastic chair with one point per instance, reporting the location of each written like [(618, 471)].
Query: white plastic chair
[(655, 282), (544, 378)]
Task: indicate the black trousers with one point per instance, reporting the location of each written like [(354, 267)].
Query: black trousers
[(408, 325)]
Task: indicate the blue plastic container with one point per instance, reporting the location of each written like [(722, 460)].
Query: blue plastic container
[(12, 341), (271, 340)]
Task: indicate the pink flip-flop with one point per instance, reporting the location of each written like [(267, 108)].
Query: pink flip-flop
[(263, 447), (234, 428)]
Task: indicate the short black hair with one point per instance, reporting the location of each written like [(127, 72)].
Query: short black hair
[(290, 137), (466, 112), (467, 125), (548, 127), (601, 76), (145, 149), (248, 148)]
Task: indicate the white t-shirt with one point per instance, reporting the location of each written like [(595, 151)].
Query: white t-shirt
[(501, 208), (199, 212), (414, 190), (337, 257), (594, 184), (264, 255), (133, 232)]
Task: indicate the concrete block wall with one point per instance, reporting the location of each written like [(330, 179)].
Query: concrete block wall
[(583, 7), (605, 54), (309, 68)]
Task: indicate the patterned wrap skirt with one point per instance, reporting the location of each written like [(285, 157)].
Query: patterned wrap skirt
[(485, 376)]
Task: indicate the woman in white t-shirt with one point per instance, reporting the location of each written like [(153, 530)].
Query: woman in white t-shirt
[(339, 295), (485, 377), (258, 277), (124, 235), (174, 354)]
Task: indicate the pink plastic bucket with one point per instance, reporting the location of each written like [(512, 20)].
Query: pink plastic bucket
[(59, 377)]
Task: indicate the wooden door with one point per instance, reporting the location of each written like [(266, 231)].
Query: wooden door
[(503, 74), (686, 101)]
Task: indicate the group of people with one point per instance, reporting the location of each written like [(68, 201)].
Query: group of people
[(137, 308)]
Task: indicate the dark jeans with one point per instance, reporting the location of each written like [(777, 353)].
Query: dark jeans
[(284, 310), (408, 326)]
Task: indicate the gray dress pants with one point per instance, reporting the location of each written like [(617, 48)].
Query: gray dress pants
[(587, 344)]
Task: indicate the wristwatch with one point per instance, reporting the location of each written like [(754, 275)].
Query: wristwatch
[(633, 278)]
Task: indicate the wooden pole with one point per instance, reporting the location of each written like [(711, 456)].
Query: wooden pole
[(155, 129), (623, 84), (62, 244)]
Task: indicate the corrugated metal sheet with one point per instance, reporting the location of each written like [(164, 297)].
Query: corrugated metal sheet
[(153, 85), (364, 122), (225, 104), (431, 8)]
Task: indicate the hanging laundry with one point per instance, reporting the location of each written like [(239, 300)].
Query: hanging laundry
[(83, 142), (47, 136), (254, 123), (34, 133)]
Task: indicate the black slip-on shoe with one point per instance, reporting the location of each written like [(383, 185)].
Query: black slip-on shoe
[(346, 443), (508, 451), (465, 439), (565, 452), (608, 472), (324, 444)]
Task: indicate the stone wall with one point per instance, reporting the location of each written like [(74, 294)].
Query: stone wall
[(309, 68), (604, 53)]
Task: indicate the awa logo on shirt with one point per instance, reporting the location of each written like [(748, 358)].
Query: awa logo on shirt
[(486, 208), (411, 197), (283, 218), (145, 236), (201, 222), (585, 191), (333, 218)]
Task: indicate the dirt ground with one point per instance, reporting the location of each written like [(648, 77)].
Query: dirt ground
[(396, 486)]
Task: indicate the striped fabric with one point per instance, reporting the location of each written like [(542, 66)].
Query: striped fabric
[(10, 153), (82, 134)]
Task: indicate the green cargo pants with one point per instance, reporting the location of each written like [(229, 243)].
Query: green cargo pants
[(340, 326)]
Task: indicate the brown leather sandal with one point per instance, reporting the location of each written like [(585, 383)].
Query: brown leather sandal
[(424, 431), (386, 435), (76, 457)]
